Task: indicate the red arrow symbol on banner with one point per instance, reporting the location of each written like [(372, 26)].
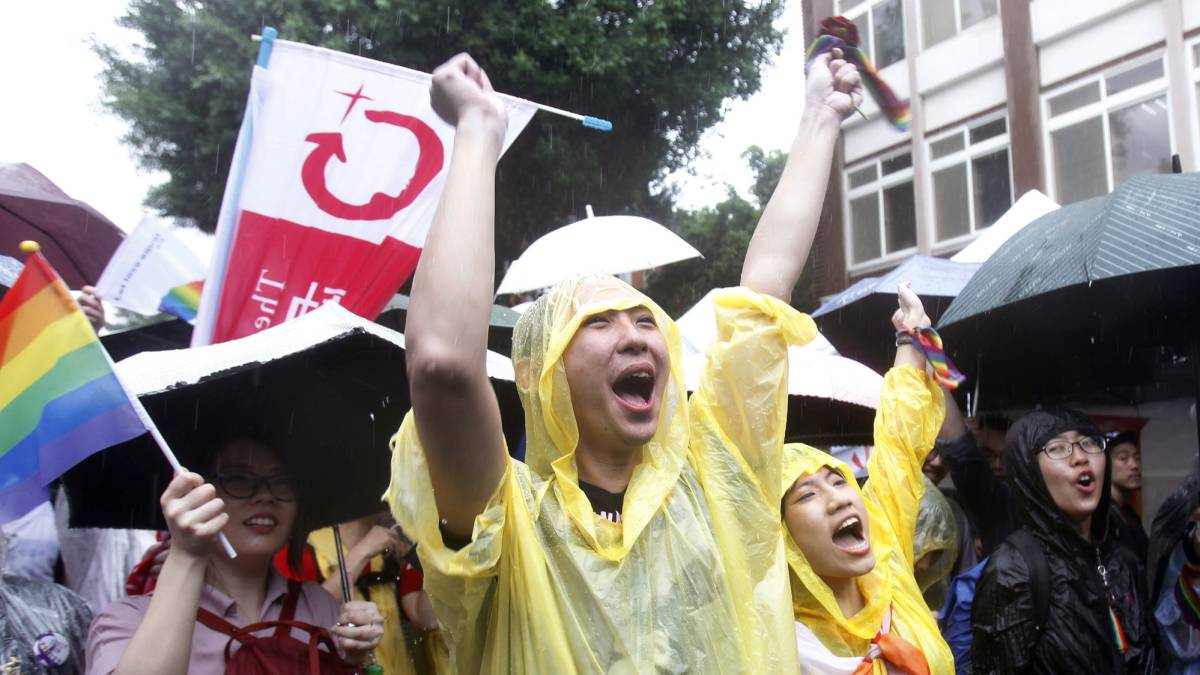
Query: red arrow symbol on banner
[(381, 206)]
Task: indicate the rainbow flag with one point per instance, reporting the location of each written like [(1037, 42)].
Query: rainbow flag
[(59, 399), (183, 300)]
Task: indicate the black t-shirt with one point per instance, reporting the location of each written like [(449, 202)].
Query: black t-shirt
[(606, 504)]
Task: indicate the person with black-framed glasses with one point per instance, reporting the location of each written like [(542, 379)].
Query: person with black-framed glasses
[(1060, 594)]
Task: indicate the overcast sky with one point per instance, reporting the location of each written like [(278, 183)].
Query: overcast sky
[(52, 118)]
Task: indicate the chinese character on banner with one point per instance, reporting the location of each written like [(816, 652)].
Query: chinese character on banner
[(337, 172)]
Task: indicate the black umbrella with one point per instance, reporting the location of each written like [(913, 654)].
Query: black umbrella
[(1096, 298), (327, 390), (858, 320)]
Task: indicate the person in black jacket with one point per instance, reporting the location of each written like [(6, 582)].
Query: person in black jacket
[(1126, 481), (975, 458), (1095, 621)]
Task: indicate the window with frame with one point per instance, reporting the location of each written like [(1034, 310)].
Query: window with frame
[(943, 19), (881, 208), (972, 177), (1103, 129), (1196, 74), (880, 28)]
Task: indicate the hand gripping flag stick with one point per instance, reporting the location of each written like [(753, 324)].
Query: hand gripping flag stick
[(162, 443), (586, 120)]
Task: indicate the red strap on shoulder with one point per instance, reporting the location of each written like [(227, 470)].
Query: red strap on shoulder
[(288, 612), (215, 622)]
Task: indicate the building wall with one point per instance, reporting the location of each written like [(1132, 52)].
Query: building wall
[(962, 79)]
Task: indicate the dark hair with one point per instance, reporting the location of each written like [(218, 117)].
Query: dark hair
[(995, 422), (1124, 437)]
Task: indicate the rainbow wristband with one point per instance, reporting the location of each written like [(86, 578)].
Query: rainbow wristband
[(928, 342)]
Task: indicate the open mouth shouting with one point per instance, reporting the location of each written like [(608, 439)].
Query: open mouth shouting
[(1086, 483), (850, 537), (635, 387)]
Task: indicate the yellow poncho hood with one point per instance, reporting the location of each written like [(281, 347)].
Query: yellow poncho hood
[(906, 424), (539, 340)]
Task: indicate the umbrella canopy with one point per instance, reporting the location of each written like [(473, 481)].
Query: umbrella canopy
[(500, 329), (604, 245), (831, 399), (1097, 294), (327, 390), (75, 238), (858, 320), (1031, 206)]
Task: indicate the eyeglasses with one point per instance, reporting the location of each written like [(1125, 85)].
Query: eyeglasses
[(243, 485), (1064, 449)]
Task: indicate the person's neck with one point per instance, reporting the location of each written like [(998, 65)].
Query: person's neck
[(354, 531), (1120, 496), (847, 593), (607, 468), (243, 580), (1084, 528)]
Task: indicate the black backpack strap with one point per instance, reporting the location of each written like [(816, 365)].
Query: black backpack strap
[(1039, 574)]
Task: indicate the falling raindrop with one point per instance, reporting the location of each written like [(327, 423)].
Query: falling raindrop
[(193, 46)]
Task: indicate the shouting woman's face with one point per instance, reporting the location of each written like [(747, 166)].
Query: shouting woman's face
[(827, 519)]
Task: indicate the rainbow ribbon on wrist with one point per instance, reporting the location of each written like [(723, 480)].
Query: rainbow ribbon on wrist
[(838, 32), (928, 342)]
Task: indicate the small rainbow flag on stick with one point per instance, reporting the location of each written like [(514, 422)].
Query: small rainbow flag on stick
[(183, 300), (59, 399)]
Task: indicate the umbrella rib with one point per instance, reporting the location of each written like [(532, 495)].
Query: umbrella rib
[(65, 249)]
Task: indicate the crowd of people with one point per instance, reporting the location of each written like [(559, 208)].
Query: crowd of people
[(649, 530)]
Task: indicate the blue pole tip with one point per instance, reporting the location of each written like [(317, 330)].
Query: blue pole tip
[(596, 123)]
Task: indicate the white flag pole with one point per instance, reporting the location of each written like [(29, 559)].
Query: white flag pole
[(144, 416)]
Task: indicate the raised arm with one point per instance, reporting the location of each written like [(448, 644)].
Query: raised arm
[(457, 416), (906, 426), (784, 235)]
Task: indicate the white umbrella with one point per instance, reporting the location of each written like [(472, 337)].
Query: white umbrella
[(1031, 206), (814, 370), (604, 245)]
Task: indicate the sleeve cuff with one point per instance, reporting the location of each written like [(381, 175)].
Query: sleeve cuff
[(798, 328)]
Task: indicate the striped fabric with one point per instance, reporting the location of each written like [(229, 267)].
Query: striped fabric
[(59, 399)]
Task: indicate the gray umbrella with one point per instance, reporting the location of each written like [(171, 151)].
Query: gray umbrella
[(1095, 296)]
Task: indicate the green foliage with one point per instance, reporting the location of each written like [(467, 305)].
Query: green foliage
[(660, 70), (721, 234)]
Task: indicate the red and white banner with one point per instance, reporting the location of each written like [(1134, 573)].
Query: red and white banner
[(339, 167)]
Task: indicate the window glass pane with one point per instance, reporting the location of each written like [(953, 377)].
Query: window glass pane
[(864, 227), (888, 20), (1196, 55), (1141, 141), (991, 187), (950, 202), (847, 4), (1076, 98), (900, 217), (937, 21), (946, 146), (974, 11), (894, 164), (1079, 169), (862, 176), (863, 23), (1134, 76), (989, 130)]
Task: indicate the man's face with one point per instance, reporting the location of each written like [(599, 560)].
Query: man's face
[(991, 443), (935, 468), (1127, 467)]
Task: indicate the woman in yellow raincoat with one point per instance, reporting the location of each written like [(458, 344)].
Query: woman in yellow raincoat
[(857, 603), (642, 534)]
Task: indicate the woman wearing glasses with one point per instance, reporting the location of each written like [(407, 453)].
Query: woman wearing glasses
[(202, 594), (1057, 596)]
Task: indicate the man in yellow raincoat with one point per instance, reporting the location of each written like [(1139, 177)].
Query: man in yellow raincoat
[(642, 534), (857, 603)]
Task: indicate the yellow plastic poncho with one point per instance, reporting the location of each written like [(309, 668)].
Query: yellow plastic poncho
[(936, 532), (392, 652), (907, 422), (694, 579)]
